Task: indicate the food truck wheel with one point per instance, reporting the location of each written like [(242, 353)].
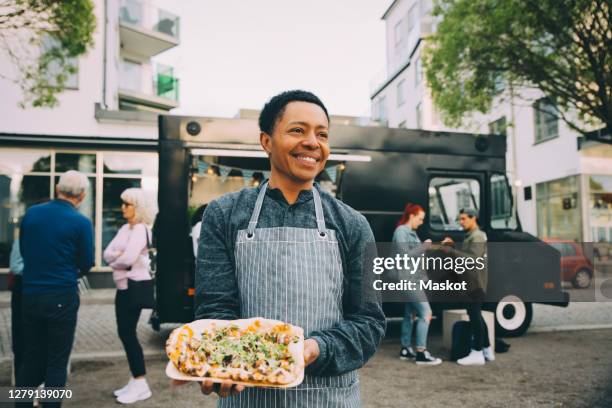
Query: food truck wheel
[(512, 316), (582, 279)]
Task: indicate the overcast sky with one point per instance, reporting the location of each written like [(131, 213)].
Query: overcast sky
[(238, 53)]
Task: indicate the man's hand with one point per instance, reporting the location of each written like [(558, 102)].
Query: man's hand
[(311, 351), (207, 387), (448, 241)]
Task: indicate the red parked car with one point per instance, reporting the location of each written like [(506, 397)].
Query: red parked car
[(576, 267)]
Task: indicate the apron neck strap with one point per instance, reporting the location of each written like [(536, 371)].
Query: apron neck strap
[(318, 211), (257, 210), (258, 204)]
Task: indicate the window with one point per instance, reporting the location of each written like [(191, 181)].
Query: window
[(213, 176), (401, 96), (380, 110), (499, 84), (555, 218), (399, 33), (49, 42), (28, 176), (565, 249), (426, 6), (546, 120), (502, 211), (419, 119), (120, 172), (412, 27), (447, 196), (85, 163), (412, 18), (418, 71), (498, 127), (600, 207), (569, 250), (112, 218)]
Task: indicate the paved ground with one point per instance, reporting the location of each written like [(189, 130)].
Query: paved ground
[(96, 328), (555, 369), (96, 332), (547, 367)]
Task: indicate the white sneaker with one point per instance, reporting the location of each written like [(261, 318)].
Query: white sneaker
[(123, 389), (474, 358), (488, 353), (137, 391)]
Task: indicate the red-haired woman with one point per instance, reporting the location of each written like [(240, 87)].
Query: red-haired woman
[(418, 305)]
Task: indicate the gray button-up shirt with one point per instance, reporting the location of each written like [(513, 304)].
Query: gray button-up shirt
[(343, 347)]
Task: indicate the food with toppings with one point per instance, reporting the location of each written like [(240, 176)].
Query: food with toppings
[(250, 351)]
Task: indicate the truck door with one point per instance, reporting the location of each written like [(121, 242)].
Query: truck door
[(448, 193)]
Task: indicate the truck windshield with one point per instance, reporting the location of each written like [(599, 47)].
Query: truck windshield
[(503, 213)]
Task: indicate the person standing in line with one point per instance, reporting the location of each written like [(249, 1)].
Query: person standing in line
[(196, 227), (474, 245), (288, 250), (56, 242), (15, 286), (128, 255), (418, 305)]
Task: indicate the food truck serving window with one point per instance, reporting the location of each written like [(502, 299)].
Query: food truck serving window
[(215, 172), (447, 196)]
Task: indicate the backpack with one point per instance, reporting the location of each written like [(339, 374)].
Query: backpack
[(461, 340)]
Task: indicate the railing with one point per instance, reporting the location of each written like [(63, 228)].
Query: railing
[(165, 84), (151, 18), (159, 82)]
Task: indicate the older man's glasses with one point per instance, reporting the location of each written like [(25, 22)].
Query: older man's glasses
[(126, 204)]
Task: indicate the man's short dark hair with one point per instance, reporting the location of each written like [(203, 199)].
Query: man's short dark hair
[(274, 109), (470, 212)]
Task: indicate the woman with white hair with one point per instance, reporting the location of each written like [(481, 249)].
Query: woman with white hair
[(128, 255)]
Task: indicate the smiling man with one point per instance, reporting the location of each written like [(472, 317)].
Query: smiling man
[(290, 251)]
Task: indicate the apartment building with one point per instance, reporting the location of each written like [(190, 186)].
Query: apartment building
[(105, 124), (562, 184)]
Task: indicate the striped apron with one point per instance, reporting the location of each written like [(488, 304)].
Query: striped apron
[(294, 275)]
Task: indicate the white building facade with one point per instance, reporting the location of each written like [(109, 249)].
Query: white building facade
[(563, 186), (105, 124)]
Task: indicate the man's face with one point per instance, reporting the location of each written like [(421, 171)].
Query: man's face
[(299, 146), (467, 223)]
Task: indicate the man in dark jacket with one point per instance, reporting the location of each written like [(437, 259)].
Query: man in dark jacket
[(56, 242)]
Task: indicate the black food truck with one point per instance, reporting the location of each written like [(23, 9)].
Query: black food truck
[(375, 170)]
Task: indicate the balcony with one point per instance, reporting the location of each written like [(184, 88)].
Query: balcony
[(144, 87), (145, 30)]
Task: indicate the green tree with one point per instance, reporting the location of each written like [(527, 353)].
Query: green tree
[(561, 47), (42, 39)]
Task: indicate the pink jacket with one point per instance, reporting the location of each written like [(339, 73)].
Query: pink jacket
[(127, 255)]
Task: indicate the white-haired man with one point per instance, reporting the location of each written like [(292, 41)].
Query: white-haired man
[(56, 242)]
